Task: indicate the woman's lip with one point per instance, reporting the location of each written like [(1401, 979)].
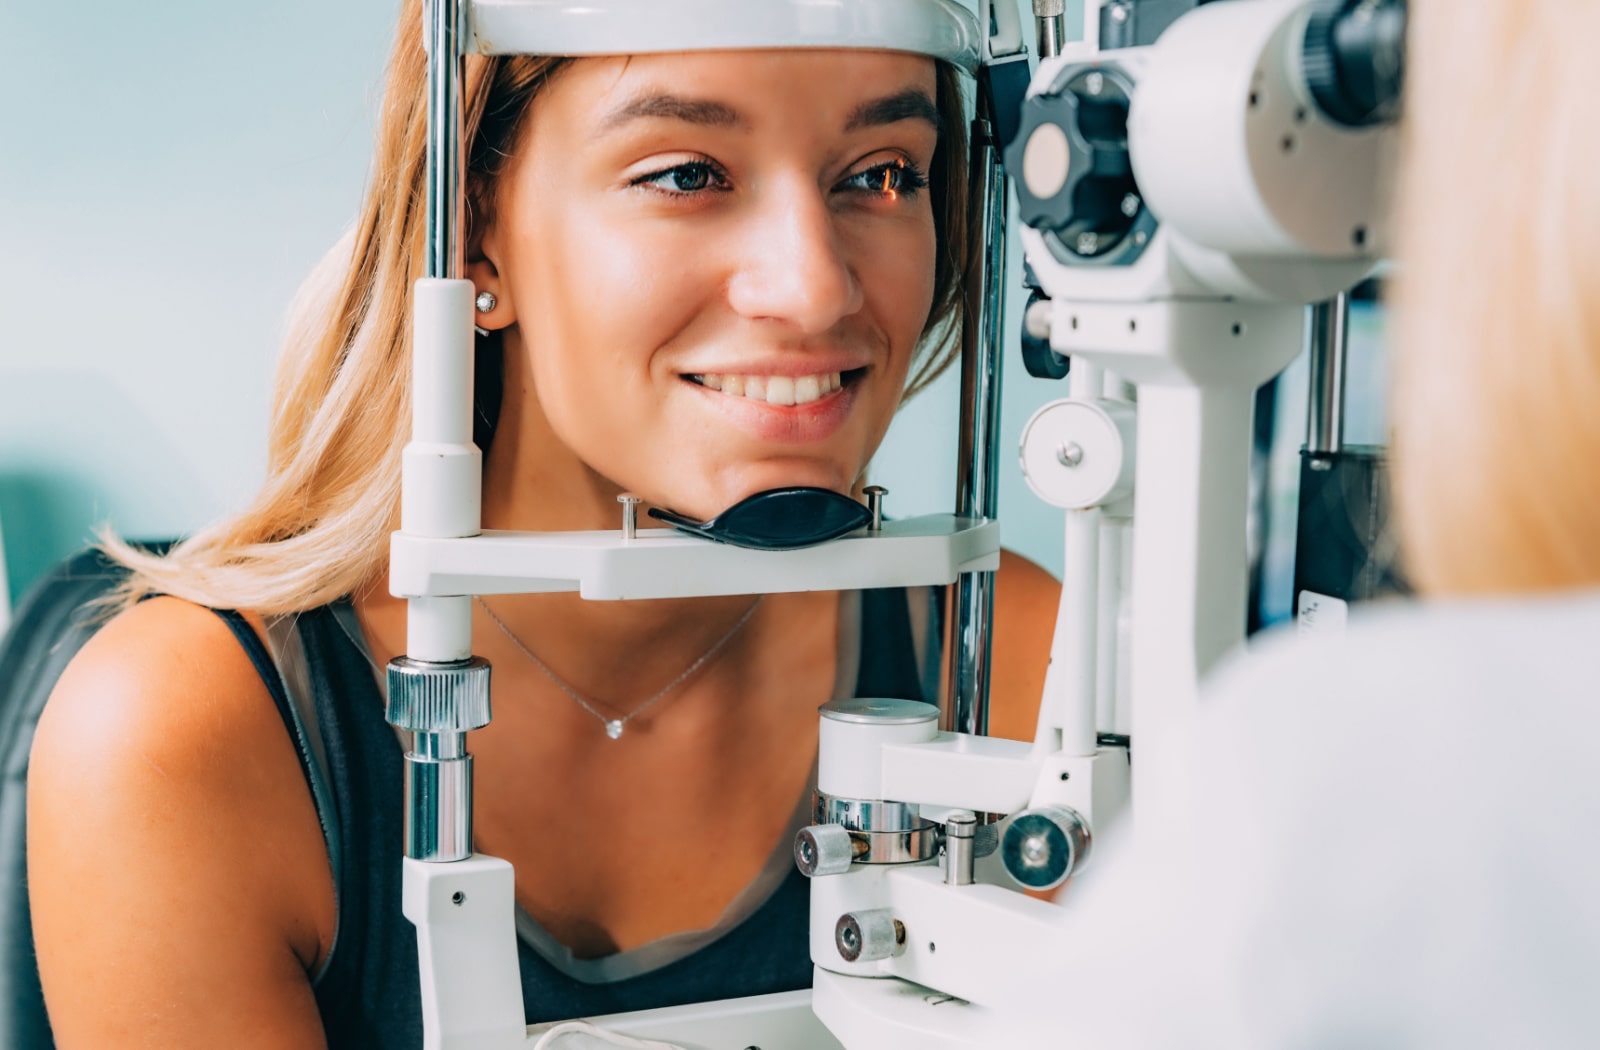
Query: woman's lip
[(795, 369), (782, 424)]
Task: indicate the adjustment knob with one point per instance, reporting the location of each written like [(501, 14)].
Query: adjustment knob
[(1044, 846), (823, 849), (1074, 175), (1041, 361), (1353, 56), (867, 936), (438, 698)]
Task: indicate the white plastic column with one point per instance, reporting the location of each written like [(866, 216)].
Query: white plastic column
[(441, 469), (467, 950), (1190, 568)]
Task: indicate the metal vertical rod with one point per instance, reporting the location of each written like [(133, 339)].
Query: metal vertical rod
[(445, 216), (1327, 325), (1116, 28), (968, 646), (1048, 16), (438, 770)]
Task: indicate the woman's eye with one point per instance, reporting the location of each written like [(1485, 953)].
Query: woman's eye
[(683, 179), (891, 179)]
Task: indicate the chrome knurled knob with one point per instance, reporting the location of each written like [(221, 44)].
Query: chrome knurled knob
[(867, 936), (823, 849), (438, 698)]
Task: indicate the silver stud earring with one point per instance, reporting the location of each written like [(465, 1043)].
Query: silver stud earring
[(485, 302)]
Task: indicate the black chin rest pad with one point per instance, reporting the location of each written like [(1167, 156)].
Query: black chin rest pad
[(778, 519)]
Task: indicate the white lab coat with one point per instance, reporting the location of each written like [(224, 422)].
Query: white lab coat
[(1392, 840)]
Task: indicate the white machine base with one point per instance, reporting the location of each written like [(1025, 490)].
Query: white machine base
[(771, 1022)]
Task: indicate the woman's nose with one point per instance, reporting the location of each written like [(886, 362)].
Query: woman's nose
[(793, 267)]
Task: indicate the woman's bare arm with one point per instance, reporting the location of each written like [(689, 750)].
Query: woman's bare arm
[(177, 872), (1025, 599)]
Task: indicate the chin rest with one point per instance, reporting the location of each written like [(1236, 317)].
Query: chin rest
[(777, 519), (52, 623)]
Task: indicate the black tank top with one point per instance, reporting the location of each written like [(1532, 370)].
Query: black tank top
[(368, 991)]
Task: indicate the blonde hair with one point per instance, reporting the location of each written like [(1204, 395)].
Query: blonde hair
[(1497, 378), (318, 528)]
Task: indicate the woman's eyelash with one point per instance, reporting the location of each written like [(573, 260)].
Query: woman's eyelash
[(684, 180), (890, 179)]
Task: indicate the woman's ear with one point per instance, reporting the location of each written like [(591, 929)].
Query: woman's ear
[(493, 309)]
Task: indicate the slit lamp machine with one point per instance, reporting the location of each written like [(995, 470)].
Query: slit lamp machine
[(1182, 201)]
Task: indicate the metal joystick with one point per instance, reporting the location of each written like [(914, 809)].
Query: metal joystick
[(1042, 847), (867, 936), (439, 704), (875, 494), (630, 515)]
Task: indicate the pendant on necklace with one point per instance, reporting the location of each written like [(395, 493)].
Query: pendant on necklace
[(613, 728)]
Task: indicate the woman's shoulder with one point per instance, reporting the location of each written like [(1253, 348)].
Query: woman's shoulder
[(1025, 600), (163, 681), (163, 783)]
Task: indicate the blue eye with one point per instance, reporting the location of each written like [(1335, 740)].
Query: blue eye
[(683, 179), (890, 179)]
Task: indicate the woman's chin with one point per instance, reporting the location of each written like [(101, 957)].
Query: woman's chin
[(763, 477)]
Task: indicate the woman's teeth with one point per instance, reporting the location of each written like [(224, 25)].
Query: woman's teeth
[(774, 390)]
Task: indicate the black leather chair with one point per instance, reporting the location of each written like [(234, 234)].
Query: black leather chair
[(52, 623)]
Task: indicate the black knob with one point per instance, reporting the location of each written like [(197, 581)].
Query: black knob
[(1070, 161), (1354, 60), (1038, 358)]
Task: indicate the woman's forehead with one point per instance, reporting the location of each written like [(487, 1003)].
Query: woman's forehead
[(727, 87)]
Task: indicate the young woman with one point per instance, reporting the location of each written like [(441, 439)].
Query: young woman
[(703, 276)]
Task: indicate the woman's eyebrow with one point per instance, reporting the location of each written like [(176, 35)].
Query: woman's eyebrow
[(910, 104), (663, 106)]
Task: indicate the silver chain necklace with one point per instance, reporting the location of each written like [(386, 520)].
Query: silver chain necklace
[(614, 726)]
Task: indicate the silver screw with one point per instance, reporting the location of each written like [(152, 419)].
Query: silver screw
[(1095, 82), (1088, 243), (1070, 454), (1119, 13), (1130, 205), (630, 515), (875, 494)]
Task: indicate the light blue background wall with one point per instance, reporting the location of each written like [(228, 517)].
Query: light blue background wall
[(169, 174)]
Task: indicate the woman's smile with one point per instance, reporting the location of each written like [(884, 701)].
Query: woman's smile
[(781, 409)]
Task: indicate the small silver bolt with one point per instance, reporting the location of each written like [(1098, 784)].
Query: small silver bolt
[(1119, 13), (1130, 205), (630, 515), (1088, 243), (1095, 82), (1140, 237), (1070, 454), (875, 494)]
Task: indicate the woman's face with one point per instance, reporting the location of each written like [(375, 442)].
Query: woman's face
[(718, 265)]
